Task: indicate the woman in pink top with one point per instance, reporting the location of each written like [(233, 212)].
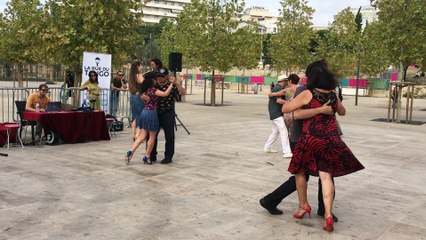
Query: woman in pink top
[(149, 118)]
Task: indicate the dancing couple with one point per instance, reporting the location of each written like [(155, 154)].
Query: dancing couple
[(149, 123), (319, 151)]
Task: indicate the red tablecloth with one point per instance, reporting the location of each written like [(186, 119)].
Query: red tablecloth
[(3, 134), (73, 126)]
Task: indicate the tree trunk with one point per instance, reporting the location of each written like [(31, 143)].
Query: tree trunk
[(213, 91), (223, 87), (77, 83), (19, 71), (402, 78), (243, 85), (205, 91), (14, 75), (186, 85)]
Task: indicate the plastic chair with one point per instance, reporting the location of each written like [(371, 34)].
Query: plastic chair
[(20, 109)]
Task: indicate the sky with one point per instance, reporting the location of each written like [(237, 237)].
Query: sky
[(324, 9)]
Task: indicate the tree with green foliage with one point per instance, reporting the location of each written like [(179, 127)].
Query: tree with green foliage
[(170, 41), (207, 25), (20, 33), (291, 44), (374, 55), (149, 42), (246, 49), (358, 20), (340, 46), (77, 26), (402, 25), (266, 43), (320, 36)]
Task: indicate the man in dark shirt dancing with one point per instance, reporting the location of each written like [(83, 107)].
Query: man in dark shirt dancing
[(166, 115)]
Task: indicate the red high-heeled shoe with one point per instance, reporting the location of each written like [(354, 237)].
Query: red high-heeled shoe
[(328, 225), (307, 210)]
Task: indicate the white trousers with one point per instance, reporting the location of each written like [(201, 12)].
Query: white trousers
[(279, 129)]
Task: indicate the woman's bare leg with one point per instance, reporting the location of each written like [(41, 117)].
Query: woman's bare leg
[(137, 132), (327, 192), (134, 129), (139, 140), (302, 189)]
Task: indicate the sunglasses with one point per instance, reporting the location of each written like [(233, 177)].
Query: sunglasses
[(120, 75)]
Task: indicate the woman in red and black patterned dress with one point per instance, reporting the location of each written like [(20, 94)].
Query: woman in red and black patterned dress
[(320, 151)]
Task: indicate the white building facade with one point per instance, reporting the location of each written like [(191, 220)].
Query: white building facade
[(155, 10), (262, 16), (368, 13)]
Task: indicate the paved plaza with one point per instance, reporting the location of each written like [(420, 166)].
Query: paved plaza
[(212, 189)]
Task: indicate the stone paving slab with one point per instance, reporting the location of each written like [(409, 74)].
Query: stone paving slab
[(211, 190)]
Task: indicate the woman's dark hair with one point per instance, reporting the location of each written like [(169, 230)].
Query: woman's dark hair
[(158, 63), (96, 74), (148, 81), (133, 77), (320, 76)]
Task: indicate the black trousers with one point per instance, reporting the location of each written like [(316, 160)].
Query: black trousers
[(167, 123), (288, 187)]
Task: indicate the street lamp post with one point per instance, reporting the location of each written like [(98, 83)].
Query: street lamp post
[(262, 31), (357, 75)]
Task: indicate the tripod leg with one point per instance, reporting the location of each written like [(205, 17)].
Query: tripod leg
[(176, 116)]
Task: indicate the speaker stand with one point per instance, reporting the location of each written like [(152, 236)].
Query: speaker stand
[(176, 116)]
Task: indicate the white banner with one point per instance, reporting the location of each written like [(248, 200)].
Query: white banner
[(101, 64)]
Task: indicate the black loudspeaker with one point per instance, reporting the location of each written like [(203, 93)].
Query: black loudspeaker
[(175, 62)]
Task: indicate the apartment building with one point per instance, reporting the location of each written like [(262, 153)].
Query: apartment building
[(155, 10), (266, 20), (368, 13)]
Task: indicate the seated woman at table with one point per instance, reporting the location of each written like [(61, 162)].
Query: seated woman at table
[(149, 118), (92, 86)]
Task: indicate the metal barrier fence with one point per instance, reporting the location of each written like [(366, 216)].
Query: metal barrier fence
[(69, 97)]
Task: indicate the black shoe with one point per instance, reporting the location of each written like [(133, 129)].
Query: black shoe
[(321, 213), (166, 161), (271, 210)]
